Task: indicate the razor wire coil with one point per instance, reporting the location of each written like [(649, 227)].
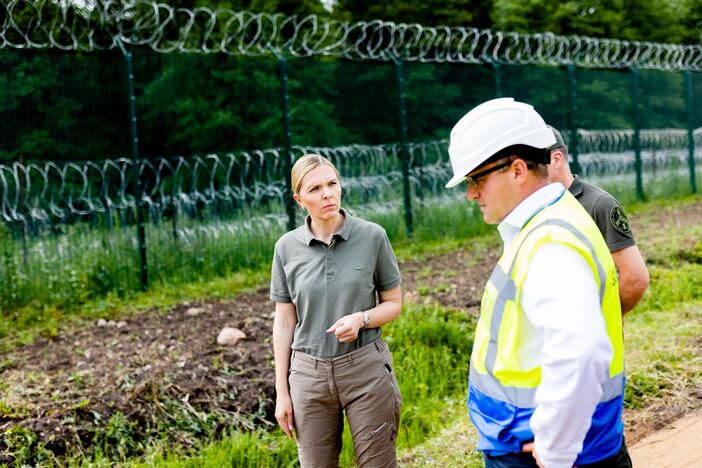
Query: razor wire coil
[(106, 25), (52, 192)]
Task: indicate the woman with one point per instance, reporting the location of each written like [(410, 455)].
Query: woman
[(329, 357)]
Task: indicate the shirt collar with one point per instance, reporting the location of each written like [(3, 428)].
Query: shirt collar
[(576, 188), (344, 231), (518, 217)]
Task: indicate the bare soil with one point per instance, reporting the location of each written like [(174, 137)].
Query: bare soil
[(65, 389), (676, 445)]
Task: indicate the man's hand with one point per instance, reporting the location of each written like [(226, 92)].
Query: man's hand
[(530, 448), (284, 414), (347, 327)]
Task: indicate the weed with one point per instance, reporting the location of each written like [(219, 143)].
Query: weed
[(24, 448), (8, 412), (117, 440)]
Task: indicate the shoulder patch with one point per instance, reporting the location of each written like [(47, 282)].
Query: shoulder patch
[(619, 219)]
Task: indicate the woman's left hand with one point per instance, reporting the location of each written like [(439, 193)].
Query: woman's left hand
[(347, 327)]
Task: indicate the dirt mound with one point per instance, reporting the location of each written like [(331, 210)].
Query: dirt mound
[(147, 368)]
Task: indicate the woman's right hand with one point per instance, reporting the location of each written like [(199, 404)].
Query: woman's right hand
[(284, 413)]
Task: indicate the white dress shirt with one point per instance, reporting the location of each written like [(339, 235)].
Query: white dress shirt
[(560, 298)]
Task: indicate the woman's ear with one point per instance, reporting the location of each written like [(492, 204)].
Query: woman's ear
[(297, 198)]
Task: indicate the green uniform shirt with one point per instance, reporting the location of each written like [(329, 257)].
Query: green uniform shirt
[(326, 282), (607, 213)]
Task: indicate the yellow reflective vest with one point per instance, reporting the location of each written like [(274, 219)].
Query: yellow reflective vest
[(501, 387)]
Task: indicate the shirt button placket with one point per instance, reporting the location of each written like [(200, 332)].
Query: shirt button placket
[(330, 273)]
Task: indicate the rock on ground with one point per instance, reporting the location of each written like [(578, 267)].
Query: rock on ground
[(230, 336)]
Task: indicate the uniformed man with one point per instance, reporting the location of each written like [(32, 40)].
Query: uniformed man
[(546, 379), (612, 222)]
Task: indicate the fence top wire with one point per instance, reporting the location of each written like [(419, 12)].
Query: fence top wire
[(92, 25)]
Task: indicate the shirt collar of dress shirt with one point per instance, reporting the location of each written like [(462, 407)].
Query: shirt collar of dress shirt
[(518, 217), (343, 232)]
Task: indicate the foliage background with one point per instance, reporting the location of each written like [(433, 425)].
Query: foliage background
[(58, 106)]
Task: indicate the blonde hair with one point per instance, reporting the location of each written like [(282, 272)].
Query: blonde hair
[(304, 165)]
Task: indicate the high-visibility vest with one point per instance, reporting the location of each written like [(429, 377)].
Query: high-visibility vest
[(502, 387)]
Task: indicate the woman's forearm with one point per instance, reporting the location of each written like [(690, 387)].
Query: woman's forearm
[(383, 313), (283, 332), (389, 308)]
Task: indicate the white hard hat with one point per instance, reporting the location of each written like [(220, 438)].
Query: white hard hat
[(493, 126)]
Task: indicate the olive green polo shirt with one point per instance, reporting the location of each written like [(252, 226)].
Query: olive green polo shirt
[(326, 282), (607, 213)]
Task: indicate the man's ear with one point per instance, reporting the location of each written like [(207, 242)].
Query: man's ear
[(557, 159), (519, 166)]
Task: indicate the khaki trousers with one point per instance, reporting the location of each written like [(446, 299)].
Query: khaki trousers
[(362, 383)]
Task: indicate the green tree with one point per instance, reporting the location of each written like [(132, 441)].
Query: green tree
[(475, 13), (640, 20)]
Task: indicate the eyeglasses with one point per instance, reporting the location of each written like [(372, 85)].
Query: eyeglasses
[(473, 180)]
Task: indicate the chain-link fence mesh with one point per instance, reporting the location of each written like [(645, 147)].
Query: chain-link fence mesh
[(214, 199)]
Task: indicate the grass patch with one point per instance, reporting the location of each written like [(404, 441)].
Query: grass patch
[(240, 449), (663, 358)]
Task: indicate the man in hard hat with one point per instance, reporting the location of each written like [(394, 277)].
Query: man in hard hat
[(546, 379), (612, 222)]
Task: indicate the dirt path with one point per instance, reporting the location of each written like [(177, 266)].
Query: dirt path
[(677, 445)]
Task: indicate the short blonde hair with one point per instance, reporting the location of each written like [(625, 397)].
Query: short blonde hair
[(304, 165)]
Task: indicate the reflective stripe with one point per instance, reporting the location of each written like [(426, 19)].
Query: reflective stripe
[(506, 290), (526, 397), (613, 387), (486, 383)]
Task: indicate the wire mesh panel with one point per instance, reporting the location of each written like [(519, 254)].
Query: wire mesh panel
[(437, 96), (546, 88), (665, 148), (354, 106), (694, 113), (604, 107), (199, 104), (208, 160), (57, 106)]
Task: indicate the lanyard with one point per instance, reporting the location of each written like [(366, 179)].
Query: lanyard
[(542, 208)]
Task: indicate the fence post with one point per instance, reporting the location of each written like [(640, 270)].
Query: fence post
[(574, 147), (287, 166), (498, 79), (636, 90), (141, 234), (690, 135), (404, 157)]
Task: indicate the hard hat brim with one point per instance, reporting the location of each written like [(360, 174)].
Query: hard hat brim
[(455, 180)]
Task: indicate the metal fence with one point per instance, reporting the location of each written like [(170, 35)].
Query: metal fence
[(126, 128)]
